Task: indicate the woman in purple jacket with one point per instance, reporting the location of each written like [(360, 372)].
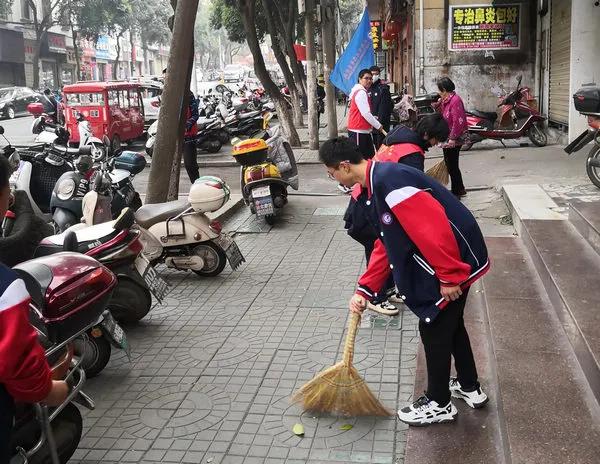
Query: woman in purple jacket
[(452, 108)]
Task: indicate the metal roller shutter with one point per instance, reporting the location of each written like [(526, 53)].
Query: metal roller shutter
[(560, 57)]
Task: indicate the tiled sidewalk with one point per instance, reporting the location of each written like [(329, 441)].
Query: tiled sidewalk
[(213, 368)]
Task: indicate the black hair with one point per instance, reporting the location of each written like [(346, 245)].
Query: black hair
[(339, 149), (433, 125), (445, 83), (5, 172), (362, 72), (375, 68), (47, 92)]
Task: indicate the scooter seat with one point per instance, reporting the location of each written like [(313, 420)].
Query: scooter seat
[(88, 237), (248, 115), (148, 215), (484, 114)]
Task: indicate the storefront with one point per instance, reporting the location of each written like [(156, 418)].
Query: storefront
[(53, 57), (12, 58), (102, 69)]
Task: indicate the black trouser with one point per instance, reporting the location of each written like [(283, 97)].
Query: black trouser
[(378, 136), (451, 158), (7, 414), (364, 143), (446, 336), (190, 159)]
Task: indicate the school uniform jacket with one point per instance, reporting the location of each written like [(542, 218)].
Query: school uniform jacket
[(427, 238), (24, 371)]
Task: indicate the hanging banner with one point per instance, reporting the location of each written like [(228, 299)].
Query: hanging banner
[(357, 55), (376, 35), (484, 27)]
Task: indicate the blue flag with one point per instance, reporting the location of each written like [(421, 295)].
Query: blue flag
[(358, 55)]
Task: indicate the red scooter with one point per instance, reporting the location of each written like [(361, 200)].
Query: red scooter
[(516, 116)]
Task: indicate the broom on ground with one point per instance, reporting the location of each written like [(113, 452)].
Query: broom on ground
[(340, 389), (439, 172)]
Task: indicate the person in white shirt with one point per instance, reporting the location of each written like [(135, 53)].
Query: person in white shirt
[(361, 121)]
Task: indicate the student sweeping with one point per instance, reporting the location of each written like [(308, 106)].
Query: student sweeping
[(434, 249)]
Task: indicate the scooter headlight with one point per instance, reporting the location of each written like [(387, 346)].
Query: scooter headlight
[(65, 189)]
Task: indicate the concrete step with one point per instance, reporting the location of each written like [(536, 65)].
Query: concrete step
[(585, 216), (541, 406)]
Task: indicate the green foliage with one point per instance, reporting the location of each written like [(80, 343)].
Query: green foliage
[(226, 14), (5, 8)]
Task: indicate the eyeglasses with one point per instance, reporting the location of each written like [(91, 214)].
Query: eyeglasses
[(330, 173)]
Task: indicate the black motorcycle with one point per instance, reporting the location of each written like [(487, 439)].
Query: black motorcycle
[(587, 102)]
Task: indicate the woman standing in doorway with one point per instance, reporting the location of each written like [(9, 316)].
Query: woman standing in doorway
[(452, 108)]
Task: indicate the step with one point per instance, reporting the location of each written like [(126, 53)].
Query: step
[(585, 216), (568, 267), (541, 407)]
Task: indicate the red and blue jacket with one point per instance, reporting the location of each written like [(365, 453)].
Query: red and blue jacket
[(427, 238), (24, 371)]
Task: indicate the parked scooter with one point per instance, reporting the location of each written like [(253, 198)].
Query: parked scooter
[(36, 173), (180, 235), (71, 187), (69, 293), (268, 169), (209, 138), (587, 102), (517, 116)]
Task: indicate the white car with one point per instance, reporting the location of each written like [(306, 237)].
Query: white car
[(233, 73), (151, 100)]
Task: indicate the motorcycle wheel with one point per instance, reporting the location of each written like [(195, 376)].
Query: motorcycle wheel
[(97, 354), (67, 428), (214, 146), (224, 138), (593, 172), (130, 301), (214, 257), (10, 113), (270, 219), (538, 136)]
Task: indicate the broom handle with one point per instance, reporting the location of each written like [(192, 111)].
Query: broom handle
[(349, 345)]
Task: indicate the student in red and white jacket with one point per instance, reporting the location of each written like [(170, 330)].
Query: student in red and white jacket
[(24, 371), (432, 246), (361, 121)]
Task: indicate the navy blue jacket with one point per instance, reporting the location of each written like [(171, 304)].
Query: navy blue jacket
[(427, 238)]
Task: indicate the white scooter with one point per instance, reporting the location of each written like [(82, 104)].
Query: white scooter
[(179, 234)]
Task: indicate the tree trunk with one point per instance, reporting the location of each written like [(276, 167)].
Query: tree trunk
[(276, 39), (75, 45), (133, 54), (328, 19), (173, 97), (115, 66), (248, 8), (287, 24), (145, 50), (36, 62), (313, 127)]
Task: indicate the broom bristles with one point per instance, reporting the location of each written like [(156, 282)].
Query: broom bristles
[(340, 389), (439, 172)]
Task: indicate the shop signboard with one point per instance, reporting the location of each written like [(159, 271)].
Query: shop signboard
[(57, 43), (376, 35), (484, 27), (102, 48)]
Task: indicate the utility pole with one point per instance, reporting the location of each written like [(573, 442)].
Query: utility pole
[(175, 89), (311, 74), (328, 23)]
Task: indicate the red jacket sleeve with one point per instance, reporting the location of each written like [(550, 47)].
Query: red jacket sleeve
[(24, 370), (377, 273), (425, 221)]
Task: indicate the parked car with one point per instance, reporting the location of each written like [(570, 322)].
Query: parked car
[(14, 101), (233, 73), (151, 100)]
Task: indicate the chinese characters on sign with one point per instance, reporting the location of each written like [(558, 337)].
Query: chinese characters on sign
[(484, 27), (376, 34)]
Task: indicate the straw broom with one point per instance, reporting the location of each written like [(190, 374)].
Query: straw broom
[(439, 172), (340, 389)]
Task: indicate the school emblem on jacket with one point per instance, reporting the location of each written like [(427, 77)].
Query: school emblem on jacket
[(386, 218)]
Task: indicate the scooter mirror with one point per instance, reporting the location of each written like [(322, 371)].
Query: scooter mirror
[(519, 79), (1, 130), (70, 242)]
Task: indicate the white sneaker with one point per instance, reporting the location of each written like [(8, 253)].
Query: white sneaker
[(476, 398), (396, 300), (425, 411), (385, 308)]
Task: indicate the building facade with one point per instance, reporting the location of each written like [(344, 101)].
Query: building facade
[(483, 46)]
